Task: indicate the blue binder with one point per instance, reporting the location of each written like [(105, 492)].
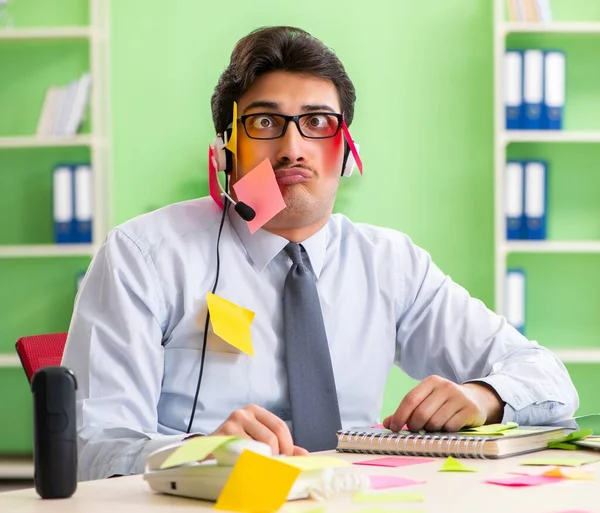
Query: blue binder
[(514, 200), (513, 88), (533, 89), (554, 90), (62, 203), (536, 199)]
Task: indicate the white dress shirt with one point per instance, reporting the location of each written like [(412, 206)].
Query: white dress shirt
[(135, 339)]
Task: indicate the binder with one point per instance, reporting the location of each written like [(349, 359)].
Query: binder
[(514, 299), (536, 199), (533, 89), (83, 203), (514, 198), (62, 204), (554, 89), (513, 96)]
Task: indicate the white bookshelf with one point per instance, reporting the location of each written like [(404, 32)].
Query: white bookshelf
[(46, 33), (45, 142), (96, 36), (503, 138), (506, 28), (47, 250)]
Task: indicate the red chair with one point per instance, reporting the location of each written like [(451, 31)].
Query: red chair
[(39, 351)]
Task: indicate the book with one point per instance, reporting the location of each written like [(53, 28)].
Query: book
[(474, 443)]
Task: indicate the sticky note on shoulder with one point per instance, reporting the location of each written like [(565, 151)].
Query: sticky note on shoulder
[(231, 322)]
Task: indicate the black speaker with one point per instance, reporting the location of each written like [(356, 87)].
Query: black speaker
[(54, 432)]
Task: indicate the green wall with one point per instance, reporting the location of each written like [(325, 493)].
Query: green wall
[(423, 74)]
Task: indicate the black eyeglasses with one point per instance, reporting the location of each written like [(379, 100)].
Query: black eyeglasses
[(314, 125)]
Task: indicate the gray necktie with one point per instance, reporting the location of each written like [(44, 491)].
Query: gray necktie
[(313, 396)]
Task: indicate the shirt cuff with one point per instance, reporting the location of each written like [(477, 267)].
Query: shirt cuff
[(513, 394)]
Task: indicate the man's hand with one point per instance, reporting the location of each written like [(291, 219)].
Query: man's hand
[(259, 424), (437, 404)]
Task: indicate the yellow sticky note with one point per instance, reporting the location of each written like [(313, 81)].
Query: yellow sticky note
[(580, 475), (363, 497), (195, 449), (379, 509), (257, 484), (231, 322), (232, 143), (490, 429), (307, 463), (561, 462), (453, 465)]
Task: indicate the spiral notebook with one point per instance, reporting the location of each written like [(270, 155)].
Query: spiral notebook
[(484, 442)]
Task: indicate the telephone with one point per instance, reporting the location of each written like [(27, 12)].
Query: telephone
[(205, 479)]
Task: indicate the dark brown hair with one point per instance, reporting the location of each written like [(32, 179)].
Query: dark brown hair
[(278, 49)]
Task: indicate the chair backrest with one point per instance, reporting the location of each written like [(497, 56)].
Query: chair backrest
[(39, 351)]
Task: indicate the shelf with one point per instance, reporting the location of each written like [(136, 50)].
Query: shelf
[(45, 142), (46, 250), (551, 28), (548, 246), (577, 355), (9, 361), (36, 33), (14, 467), (516, 136)]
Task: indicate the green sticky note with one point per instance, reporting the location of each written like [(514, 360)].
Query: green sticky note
[(576, 435), (453, 465), (490, 429), (562, 445), (591, 421), (364, 497), (562, 462), (195, 449)]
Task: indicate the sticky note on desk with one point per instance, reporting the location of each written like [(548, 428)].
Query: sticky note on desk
[(393, 461), (453, 465), (257, 484), (561, 462), (579, 475), (364, 497), (524, 480), (195, 449), (231, 322), (383, 482), (307, 463)]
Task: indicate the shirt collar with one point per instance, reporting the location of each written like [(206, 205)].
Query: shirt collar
[(262, 246)]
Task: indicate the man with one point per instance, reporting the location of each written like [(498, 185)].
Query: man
[(336, 303)]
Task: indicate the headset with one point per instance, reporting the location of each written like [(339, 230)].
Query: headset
[(224, 161)]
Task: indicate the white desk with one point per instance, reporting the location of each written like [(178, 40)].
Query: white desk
[(444, 493)]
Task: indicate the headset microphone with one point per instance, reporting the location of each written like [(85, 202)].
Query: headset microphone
[(245, 211)]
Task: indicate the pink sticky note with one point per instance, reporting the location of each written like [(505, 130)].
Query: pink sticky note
[(259, 190), (351, 144), (394, 461), (381, 426), (524, 480), (381, 482), (213, 180)]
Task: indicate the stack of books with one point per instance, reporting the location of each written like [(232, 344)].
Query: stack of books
[(64, 108), (529, 10)]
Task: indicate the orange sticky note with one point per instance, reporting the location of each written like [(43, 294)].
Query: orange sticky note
[(259, 190), (232, 143), (257, 484), (231, 322)]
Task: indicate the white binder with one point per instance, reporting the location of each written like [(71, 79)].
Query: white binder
[(554, 89), (513, 80), (515, 299), (535, 199), (83, 203), (514, 200), (533, 89), (62, 203)]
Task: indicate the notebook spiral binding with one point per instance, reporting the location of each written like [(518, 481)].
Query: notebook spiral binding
[(413, 444)]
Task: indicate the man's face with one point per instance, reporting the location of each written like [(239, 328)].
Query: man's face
[(307, 170)]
